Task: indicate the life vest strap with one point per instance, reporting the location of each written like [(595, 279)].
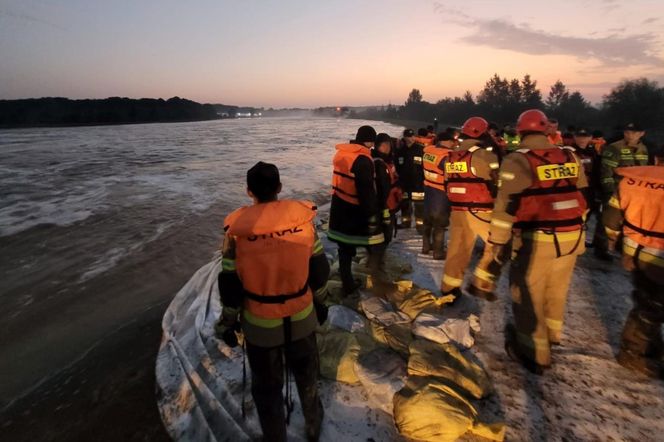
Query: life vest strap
[(467, 180), (644, 232), (344, 175), (548, 224), (472, 205), (337, 189), (276, 299)]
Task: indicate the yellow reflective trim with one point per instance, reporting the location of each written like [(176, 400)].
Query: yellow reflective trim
[(272, 323), (502, 224), (607, 180), (647, 255), (451, 281), (557, 171), (483, 274), (538, 235), (554, 324), (613, 202), (532, 342), (609, 162), (494, 165), (228, 264), (508, 176)]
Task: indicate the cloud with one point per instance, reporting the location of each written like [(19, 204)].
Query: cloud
[(21, 16), (610, 50)]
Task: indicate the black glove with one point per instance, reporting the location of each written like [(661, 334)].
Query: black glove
[(321, 312), (229, 337)]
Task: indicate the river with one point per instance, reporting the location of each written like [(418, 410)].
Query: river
[(99, 225)]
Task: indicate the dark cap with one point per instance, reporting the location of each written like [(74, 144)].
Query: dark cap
[(366, 134), (422, 132), (382, 138), (636, 127), (447, 135), (582, 132), (263, 180), (408, 133)]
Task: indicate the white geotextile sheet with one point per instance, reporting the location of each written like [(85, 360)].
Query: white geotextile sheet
[(199, 380)]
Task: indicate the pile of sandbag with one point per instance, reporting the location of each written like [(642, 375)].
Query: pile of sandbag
[(410, 360)]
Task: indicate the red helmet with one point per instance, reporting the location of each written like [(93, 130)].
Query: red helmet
[(474, 127), (532, 120)]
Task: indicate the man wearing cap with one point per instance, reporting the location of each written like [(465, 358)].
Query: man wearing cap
[(628, 152), (355, 212), (411, 176), (273, 277), (585, 151)]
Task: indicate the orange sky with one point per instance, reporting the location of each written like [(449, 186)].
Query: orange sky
[(303, 53)]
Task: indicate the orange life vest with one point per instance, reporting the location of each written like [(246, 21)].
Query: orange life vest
[(465, 190), (599, 144), (424, 141), (274, 242), (343, 179), (434, 176), (552, 202), (556, 139), (396, 193), (642, 201)]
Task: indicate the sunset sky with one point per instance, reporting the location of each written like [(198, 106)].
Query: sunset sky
[(312, 53)]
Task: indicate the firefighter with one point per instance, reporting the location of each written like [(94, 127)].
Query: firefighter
[(552, 132), (273, 281), (355, 211), (387, 188), (629, 151), (436, 204), (470, 183), (411, 177), (585, 151), (512, 139), (540, 208), (636, 210), (598, 141)]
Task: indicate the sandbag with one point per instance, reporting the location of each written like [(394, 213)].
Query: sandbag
[(420, 300), (338, 350), (344, 318), (429, 410), (445, 361), (379, 310), (441, 330), (396, 336), (382, 373)]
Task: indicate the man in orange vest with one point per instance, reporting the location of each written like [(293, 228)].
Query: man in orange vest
[(636, 210), (274, 271), (540, 208), (387, 184), (552, 132), (436, 204), (470, 182), (355, 214)]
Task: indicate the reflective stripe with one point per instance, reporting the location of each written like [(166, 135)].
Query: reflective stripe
[(318, 247), (613, 202), (483, 274), (494, 165), (609, 162), (563, 205), (607, 180), (456, 189), (648, 255), (228, 265), (474, 148), (355, 240), (508, 176), (538, 235), (272, 323), (532, 342), (417, 196), (452, 282), (500, 223), (554, 324), (419, 222)]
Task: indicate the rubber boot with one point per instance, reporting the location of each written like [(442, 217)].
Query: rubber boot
[(439, 249), (313, 429), (638, 349), (379, 278), (345, 272), (514, 352), (426, 240)]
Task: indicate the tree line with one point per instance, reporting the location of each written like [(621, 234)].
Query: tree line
[(114, 110), (502, 100)]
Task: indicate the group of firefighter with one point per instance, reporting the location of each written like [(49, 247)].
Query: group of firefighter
[(527, 195)]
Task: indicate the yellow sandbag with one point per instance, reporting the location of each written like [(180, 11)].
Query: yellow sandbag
[(428, 410), (338, 351), (428, 358), (396, 336), (422, 300)]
